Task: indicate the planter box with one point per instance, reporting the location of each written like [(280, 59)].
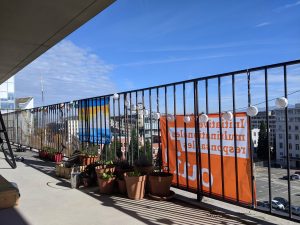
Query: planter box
[(87, 160), (65, 172), (9, 194)]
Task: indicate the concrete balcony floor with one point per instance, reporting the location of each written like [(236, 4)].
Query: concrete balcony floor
[(48, 200)]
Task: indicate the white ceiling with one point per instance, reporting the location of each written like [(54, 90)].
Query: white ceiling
[(28, 28)]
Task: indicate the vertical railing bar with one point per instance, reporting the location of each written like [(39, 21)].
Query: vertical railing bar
[(287, 142), (105, 134), (119, 114), (129, 131), (208, 135), (143, 116), (175, 125), (197, 131), (101, 128), (150, 107), (250, 134), (80, 110), (93, 120), (109, 128), (167, 127), (221, 135), (158, 127), (125, 124), (97, 128), (268, 138), (235, 141), (137, 124), (115, 140), (185, 140)]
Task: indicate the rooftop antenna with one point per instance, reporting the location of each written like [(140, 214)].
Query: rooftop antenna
[(42, 89)]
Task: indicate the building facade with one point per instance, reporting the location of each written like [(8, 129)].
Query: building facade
[(7, 95), (292, 146)]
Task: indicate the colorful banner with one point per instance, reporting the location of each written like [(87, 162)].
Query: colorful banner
[(186, 149), (94, 121)]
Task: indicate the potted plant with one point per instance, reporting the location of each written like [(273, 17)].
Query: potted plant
[(160, 183), (143, 165), (106, 183), (135, 185), (105, 167), (89, 155), (122, 166), (121, 183)]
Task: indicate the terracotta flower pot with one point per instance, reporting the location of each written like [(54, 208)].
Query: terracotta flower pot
[(106, 186), (122, 186), (87, 160), (58, 157), (160, 184), (135, 186)]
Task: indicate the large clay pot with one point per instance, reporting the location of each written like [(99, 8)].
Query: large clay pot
[(106, 186), (87, 160), (160, 183), (135, 186)]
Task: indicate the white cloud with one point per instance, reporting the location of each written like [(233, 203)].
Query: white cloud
[(262, 24), (69, 72)]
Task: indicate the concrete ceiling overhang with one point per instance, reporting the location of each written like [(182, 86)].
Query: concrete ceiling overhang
[(28, 28)]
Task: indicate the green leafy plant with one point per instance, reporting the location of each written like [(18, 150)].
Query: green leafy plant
[(107, 176), (134, 174)]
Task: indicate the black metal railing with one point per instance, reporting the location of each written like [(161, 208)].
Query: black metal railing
[(168, 124)]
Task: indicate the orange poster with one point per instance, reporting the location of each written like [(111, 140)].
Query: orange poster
[(186, 148)]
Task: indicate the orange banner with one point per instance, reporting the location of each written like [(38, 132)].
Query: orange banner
[(186, 152)]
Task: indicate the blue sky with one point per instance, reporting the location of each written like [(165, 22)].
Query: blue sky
[(140, 43)]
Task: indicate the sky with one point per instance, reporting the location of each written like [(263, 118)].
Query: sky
[(140, 43)]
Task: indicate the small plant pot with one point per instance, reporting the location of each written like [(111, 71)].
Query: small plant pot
[(58, 157), (106, 186), (122, 186), (160, 183), (135, 186)]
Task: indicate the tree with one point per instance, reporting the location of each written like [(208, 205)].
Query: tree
[(262, 148), (134, 145)]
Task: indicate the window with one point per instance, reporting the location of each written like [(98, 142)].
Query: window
[(290, 136), (297, 156), (290, 146), (290, 127), (291, 155), (255, 142), (296, 127), (296, 136), (281, 153), (280, 136), (297, 146), (280, 145), (280, 127)]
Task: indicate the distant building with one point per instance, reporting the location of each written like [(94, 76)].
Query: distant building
[(7, 95), (24, 103), (293, 136), (255, 125)]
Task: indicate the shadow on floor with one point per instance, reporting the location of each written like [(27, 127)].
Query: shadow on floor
[(149, 211), (11, 217)]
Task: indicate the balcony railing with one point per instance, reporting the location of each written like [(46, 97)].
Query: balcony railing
[(198, 129)]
